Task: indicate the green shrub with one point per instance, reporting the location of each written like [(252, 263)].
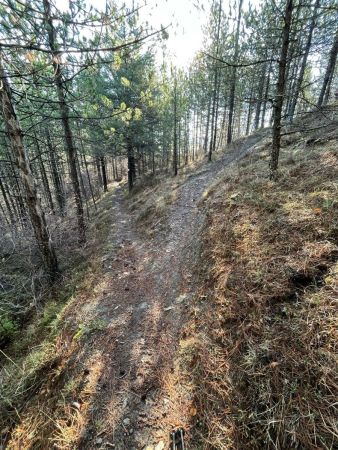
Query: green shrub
[(8, 328)]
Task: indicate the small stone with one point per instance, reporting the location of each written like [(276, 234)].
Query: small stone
[(159, 446), (181, 298), (143, 305), (168, 308), (126, 421), (131, 431), (99, 441), (76, 405)]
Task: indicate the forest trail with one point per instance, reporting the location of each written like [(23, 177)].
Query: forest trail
[(144, 293), (111, 382)]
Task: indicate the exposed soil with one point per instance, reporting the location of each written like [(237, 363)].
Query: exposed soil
[(125, 348), (150, 285)]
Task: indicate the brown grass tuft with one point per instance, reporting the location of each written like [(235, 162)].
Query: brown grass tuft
[(265, 370)]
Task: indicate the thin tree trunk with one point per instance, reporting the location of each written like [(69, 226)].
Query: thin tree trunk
[(17, 191), (325, 90), (266, 94), (175, 128), (278, 107), (98, 170), (82, 153), (260, 96), (59, 192), (131, 165), (214, 131), (215, 84), (44, 177), (206, 138), (104, 173), (300, 77), (64, 110), (36, 213), (234, 74), (248, 121), (8, 206)]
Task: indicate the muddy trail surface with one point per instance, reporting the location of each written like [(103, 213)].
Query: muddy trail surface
[(130, 328)]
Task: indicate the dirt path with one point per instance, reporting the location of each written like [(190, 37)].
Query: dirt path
[(134, 319)]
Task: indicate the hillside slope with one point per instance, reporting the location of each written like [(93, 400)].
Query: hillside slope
[(102, 376), (263, 334), (211, 308)]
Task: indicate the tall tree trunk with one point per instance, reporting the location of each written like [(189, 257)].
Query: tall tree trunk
[(248, 120), (59, 192), (17, 216), (175, 128), (16, 189), (260, 95), (206, 137), (5, 197), (104, 173), (266, 94), (215, 84), (186, 143), (85, 162), (98, 170), (44, 177), (131, 164), (325, 90), (300, 77), (214, 131), (36, 214), (279, 97), (64, 110), (234, 75)]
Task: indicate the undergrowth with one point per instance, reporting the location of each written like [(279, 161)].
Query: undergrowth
[(32, 358), (264, 362)]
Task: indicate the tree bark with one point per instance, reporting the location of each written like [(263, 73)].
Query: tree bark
[(8, 206), (206, 137), (64, 110), (35, 211), (260, 94), (131, 165), (44, 177), (59, 193), (234, 74), (300, 77), (325, 90), (175, 128), (280, 89), (104, 173)]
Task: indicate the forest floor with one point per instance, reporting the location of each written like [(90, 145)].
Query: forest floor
[(110, 380), (211, 308)]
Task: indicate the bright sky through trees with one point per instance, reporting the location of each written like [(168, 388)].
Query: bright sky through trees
[(185, 34), (186, 17)]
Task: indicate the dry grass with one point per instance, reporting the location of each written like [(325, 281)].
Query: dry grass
[(150, 201), (265, 363), (35, 408)]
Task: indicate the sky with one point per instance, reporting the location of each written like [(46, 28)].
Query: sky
[(185, 20)]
